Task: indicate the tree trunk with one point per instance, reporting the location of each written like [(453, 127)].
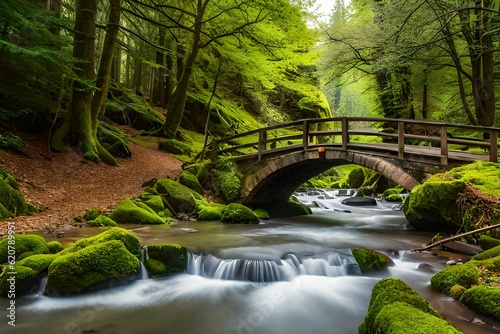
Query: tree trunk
[(171, 78), (104, 75), (159, 80), (138, 76), (77, 126), (176, 104), (117, 65)]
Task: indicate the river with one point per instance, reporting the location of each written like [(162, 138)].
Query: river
[(282, 276)]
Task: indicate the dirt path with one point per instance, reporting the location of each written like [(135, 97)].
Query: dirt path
[(65, 184)]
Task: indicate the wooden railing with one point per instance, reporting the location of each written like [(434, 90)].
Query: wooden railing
[(401, 139)]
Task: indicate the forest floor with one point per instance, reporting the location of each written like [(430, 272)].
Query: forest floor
[(64, 185)]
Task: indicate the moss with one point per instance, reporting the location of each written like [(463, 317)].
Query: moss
[(114, 140), (155, 268), (127, 212), (211, 211), (173, 257), (484, 300), (55, 246), (155, 202), (482, 175), (175, 147), (79, 271), (356, 178), (457, 291), (394, 198), (11, 199), (92, 214), (239, 214), (190, 181), (25, 279), (179, 197), (23, 243), (128, 238), (401, 318), (261, 213), (465, 275), (38, 262), (102, 221), (369, 260), (230, 186), (432, 206), (390, 291), (486, 242), (487, 254), (200, 170)]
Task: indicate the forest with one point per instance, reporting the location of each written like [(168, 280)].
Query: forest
[(193, 70)]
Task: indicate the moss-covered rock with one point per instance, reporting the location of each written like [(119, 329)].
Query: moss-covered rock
[(356, 178), (211, 211), (176, 147), (432, 206), (486, 242), (393, 291), (487, 254), (465, 275), (102, 221), (190, 181), (369, 260), (27, 274), (128, 212), (165, 259), (24, 243), (128, 238), (93, 213), (239, 214), (114, 140), (288, 209), (261, 213), (82, 270), (457, 291), (154, 202), (401, 318), (230, 186), (200, 170), (394, 198), (179, 197), (12, 202), (55, 246), (484, 300)]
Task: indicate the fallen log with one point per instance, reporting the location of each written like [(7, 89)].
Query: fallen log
[(455, 237)]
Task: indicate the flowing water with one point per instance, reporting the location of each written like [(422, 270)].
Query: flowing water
[(293, 275)]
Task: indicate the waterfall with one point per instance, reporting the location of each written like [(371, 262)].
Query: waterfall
[(143, 273), (41, 287), (339, 263)]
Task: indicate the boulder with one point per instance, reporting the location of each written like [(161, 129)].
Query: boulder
[(180, 198), (164, 259), (370, 260), (239, 214), (129, 212), (24, 243)]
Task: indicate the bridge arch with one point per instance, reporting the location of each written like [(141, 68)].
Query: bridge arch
[(277, 178)]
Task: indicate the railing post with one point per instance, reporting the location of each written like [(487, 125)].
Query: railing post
[(213, 152), (444, 145), (305, 135), (262, 143), (494, 146), (401, 140), (345, 134)]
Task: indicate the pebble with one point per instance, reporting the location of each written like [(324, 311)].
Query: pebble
[(450, 263), (478, 321)]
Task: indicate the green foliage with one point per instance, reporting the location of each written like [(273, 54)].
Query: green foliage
[(239, 214), (78, 271), (484, 300), (9, 140), (369, 260), (34, 59), (465, 275)]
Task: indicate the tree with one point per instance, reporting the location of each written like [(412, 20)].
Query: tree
[(81, 122)]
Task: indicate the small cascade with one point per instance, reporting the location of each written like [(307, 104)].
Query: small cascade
[(143, 273), (339, 263), (43, 283)]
